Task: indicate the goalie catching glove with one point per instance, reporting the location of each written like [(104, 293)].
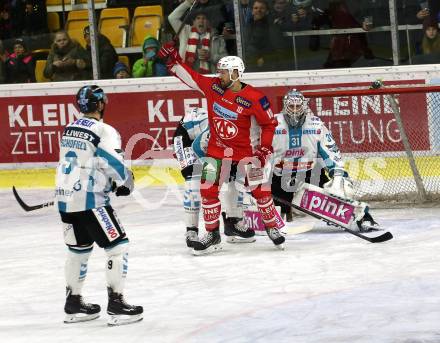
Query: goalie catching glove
[(341, 185)]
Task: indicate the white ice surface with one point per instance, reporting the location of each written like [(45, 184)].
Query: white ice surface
[(327, 286)]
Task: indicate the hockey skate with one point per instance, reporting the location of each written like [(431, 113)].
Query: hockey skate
[(276, 237), (78, 311), (236, 231), (210, 243), (191, 236), (367, 224), (120, 312)]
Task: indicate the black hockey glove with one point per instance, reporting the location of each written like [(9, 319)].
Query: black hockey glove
[(122, 191)]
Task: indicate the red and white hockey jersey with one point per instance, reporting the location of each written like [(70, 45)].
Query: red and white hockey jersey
[(233, 116)]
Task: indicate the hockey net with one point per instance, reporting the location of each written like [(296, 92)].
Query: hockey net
[(389, 138)]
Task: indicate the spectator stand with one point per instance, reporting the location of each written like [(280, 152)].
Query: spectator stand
[(404, 28)]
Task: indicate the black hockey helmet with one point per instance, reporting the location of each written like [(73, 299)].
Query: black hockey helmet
[(89, 97)]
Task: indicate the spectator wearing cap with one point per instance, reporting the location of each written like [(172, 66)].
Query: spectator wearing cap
[(200, 47), (67, 59), (431, 37), (107, 54), (149, 65), (20, 67), (121, 71)]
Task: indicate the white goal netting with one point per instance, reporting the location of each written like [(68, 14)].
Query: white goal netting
[(389, 138)]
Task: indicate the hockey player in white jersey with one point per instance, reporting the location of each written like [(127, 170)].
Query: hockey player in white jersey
[(190, 142), (91, 166), (303, 150)]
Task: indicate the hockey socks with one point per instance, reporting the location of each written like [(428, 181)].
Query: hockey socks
[(269, 215)]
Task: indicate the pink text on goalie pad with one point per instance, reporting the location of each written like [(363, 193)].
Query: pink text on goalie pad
[(327, 206)]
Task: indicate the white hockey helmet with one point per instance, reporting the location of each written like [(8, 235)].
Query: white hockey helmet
[(294, 107), (231, 63)]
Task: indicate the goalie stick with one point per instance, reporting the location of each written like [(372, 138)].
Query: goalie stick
[(333, 210), (378, 239), (25, 206)]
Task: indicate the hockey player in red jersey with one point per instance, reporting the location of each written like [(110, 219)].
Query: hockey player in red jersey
[(238, 114)]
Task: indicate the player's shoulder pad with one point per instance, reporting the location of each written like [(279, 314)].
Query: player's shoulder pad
[(282, 126), (257, 96), (110, 135), (279, 117), (215, 86)]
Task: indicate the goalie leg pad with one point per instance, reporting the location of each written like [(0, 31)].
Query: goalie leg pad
[(75, 268), (117, 266)]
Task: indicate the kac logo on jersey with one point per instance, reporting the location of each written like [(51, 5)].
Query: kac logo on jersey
[(225, 129)]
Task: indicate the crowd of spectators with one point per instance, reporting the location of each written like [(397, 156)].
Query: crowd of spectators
[(209, 33)]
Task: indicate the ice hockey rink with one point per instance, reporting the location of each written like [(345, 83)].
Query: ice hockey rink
[(327, 286)]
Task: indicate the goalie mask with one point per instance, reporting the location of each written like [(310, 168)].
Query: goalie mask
[(294, 108), (89, 97)]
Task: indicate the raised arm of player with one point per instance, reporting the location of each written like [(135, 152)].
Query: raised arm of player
[(176, 67)]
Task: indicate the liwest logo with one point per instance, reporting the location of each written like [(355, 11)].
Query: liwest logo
[(224, 128), (327, 206)]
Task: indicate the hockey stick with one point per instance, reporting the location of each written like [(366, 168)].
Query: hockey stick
[(378, 239), (26, 207)]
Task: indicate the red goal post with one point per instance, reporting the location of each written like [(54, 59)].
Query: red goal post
[(389, 138)]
